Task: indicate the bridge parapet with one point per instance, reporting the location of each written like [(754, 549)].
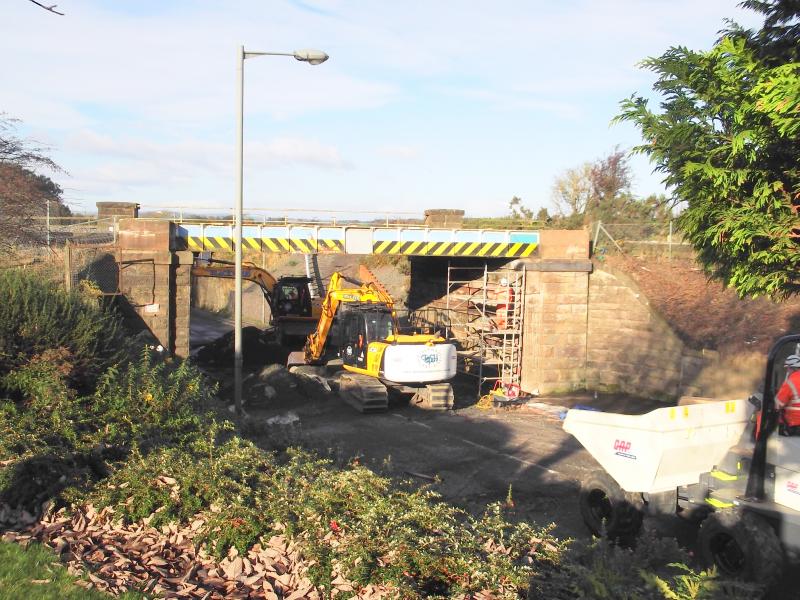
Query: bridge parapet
[(348, 239)]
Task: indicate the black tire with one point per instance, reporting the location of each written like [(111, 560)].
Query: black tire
[(607, 510), (741, 546), (695, 513)]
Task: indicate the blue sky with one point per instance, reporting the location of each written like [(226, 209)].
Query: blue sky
[(422, 105)]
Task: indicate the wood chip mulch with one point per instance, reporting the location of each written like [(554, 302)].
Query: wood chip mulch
[(168, 562)]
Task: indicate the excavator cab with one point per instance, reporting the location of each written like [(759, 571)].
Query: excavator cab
[(359, 327), (291, 297)]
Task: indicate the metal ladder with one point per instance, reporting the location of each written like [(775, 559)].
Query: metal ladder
[(316, 288)]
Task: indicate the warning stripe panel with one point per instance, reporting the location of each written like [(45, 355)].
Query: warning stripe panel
[(304, 246), (329, 245), (476, 249), (284, 245)]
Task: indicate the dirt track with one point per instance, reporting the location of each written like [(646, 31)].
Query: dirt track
[(473, 455)]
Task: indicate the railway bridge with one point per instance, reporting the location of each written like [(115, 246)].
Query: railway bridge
[(525, 301), (569, 325)]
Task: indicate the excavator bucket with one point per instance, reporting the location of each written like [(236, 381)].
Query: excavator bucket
[(295, 359)]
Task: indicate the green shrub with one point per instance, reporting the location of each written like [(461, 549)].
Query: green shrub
[(36, 317), (654, 570), (151, 403), (61, 444), (382, 531)]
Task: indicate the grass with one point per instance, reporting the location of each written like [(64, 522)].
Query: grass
[(34, 573)]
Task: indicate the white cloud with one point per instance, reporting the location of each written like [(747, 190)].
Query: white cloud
[(139, 97), (400, 151), (295, 151), (119, 164)]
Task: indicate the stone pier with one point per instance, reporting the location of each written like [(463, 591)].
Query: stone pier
[(155, 281)]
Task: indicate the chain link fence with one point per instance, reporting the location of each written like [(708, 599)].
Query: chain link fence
[(659, 239), (96, 265), (46, 262), (72, 250), (57, 231)]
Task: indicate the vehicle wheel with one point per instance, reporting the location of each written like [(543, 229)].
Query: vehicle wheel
[(695, 513), (741, 545), (608, 510)]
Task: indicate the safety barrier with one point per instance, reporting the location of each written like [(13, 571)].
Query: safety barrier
[(408, 241)]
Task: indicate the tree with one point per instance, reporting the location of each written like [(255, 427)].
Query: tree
[(24, 193), (600, 190), (543, 216), (610, 184), (518, 210), (727, 138), (572, 191)]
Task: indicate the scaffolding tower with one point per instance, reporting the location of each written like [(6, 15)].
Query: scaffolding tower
[(486, 312)]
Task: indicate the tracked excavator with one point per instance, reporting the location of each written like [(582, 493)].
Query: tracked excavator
[(293, 312), (359, 327)]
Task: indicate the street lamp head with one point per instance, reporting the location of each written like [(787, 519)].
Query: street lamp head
[(312, 57)]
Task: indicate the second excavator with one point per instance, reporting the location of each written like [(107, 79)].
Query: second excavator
[(359, 327), (293, 312)]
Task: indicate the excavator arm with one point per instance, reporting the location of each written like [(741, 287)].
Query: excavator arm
[(227, 270), (337, 294)]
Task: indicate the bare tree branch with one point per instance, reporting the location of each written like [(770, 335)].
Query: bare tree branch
[(25, 195), (19, 151), (51, 8)]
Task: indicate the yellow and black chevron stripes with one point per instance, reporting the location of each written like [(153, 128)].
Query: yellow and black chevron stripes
[(478, 249), (329, 245), (324, 245), (210, 243), (275, 245), (286, 245)]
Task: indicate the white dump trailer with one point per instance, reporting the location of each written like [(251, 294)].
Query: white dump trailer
[(710, 461), (665, 448)]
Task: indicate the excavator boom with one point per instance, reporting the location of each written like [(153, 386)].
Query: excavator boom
[(293, 311), (227, 270), (338, 293)]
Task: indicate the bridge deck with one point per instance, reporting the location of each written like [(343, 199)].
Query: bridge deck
[(359, 239)]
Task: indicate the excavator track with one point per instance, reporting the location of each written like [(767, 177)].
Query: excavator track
[(436, 396), (365, 394)]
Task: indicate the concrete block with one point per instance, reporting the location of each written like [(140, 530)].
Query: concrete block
[(444, 217), (571, 352), (107, 210), (138, 234), (560, 243), (184, 258)]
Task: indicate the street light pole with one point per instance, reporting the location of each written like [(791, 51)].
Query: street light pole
[(238, 358), (312, 57)]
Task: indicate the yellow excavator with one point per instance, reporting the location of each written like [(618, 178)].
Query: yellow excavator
[(293, 312), (359, 325)]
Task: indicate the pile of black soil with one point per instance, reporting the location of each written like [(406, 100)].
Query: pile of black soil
[(257, 350)]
